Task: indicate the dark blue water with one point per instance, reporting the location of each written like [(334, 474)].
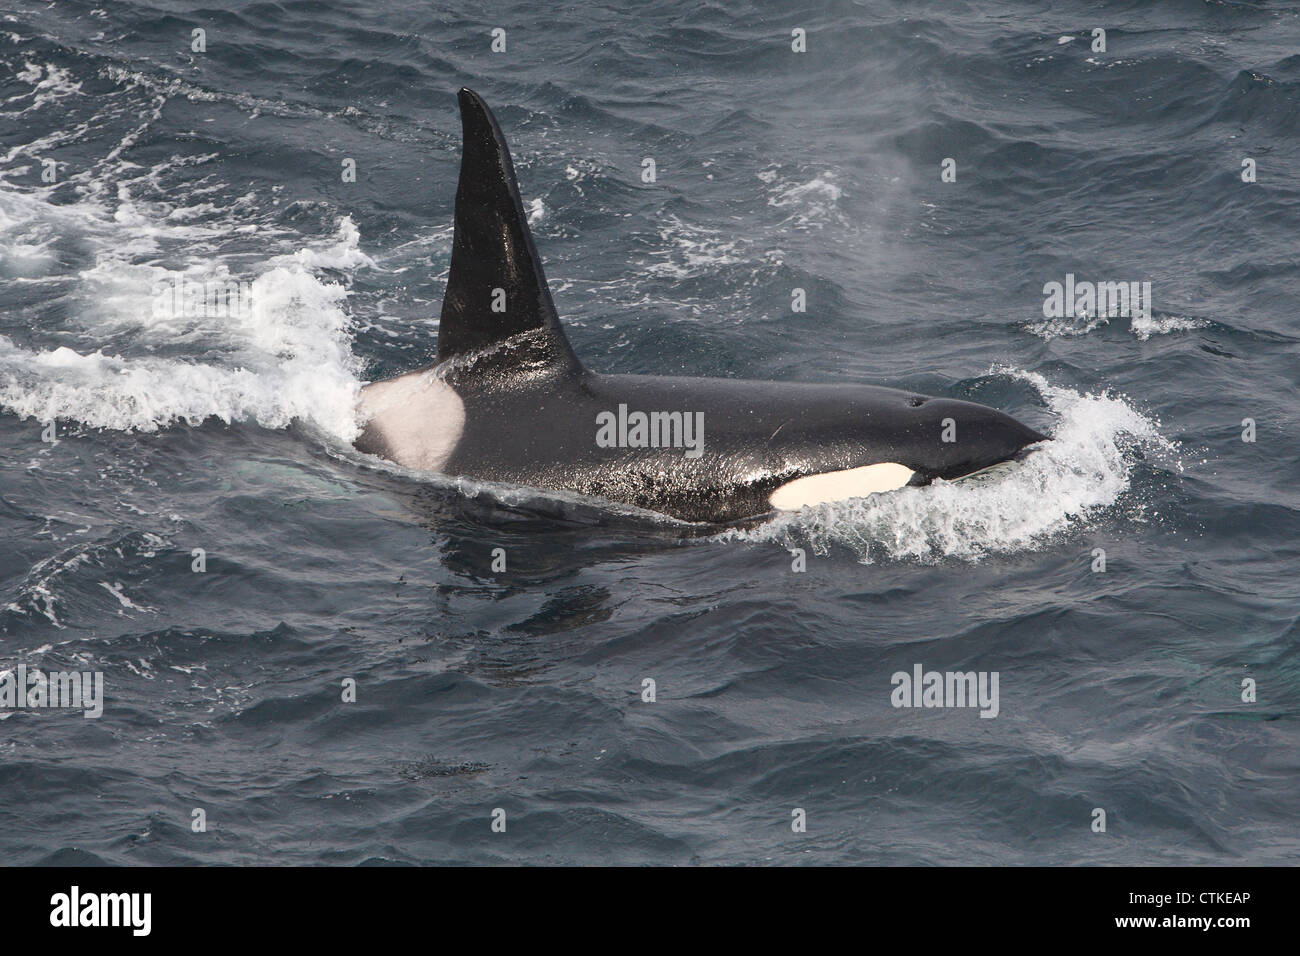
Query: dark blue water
[(521, 689)]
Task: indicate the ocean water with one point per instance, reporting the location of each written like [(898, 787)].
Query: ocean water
[(138, 443)]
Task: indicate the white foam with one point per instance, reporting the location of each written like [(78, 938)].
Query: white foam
[(48, 83), (820, 189), (1062, 485), (344, 253), (112, 235), (117, 590), (1066, 326), (809, 203), (36, 593), (1142, 327), (688, 250), (289, 356)]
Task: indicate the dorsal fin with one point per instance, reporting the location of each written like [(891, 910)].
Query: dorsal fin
[(493, 250)]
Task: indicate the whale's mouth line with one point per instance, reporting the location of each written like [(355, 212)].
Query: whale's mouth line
[(984, 473), (1000, 468), (989, 473)]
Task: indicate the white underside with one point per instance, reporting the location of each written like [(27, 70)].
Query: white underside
[(419, 417), (838, 485)]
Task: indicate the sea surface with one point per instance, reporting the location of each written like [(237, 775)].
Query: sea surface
[(181, 510)]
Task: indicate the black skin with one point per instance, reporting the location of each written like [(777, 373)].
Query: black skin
[(531, 407), (541, 432)]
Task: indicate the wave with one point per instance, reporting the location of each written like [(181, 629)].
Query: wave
[(1143, 327)]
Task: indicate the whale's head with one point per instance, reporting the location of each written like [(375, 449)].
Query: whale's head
[(949, 438), (855, 441)]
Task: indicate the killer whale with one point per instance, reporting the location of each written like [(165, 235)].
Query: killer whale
[(506, 398)]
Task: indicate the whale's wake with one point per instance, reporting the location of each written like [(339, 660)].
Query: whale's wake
[(129, 360)]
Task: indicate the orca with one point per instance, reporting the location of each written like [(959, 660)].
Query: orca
[(507, 400)]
